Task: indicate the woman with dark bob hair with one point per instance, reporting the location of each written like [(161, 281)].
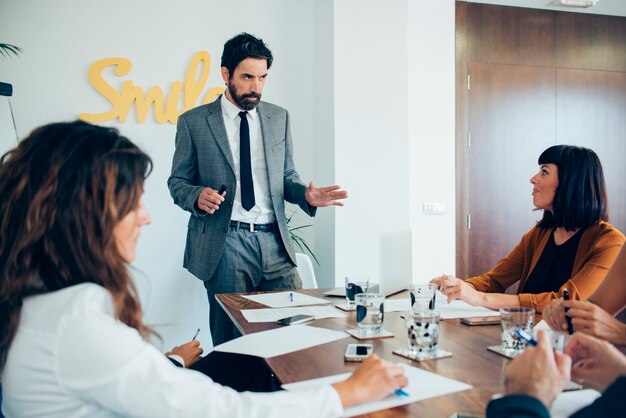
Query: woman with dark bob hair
[(572, 246), (72, 340)]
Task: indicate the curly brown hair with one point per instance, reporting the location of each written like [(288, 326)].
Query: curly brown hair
[(63, 190)]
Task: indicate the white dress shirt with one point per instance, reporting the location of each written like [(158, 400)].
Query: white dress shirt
[(71, 358), (262, 211)]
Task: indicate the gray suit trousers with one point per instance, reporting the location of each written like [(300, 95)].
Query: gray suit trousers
[(251, 262)]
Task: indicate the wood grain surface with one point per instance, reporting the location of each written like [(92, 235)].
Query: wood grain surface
[(471, 362)]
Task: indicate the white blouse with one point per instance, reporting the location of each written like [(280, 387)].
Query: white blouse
[(72, 358)]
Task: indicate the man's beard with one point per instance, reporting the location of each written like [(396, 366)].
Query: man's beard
[(241, 100)]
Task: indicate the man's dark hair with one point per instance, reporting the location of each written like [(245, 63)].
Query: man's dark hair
[(580, 199), (244, 46)]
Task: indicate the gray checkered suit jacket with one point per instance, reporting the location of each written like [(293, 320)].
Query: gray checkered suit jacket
[(203, 159)]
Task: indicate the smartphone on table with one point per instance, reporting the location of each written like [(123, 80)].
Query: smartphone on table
[(358, 352), (481, 320), (296, 319)]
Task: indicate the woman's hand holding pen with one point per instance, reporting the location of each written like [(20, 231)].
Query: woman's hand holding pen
[(455, 288), (593, 320), (586, 317), (190, 352), (373, 380), (554, 315)]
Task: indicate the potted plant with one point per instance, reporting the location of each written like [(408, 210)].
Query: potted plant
[(6, 50), (298, 239)]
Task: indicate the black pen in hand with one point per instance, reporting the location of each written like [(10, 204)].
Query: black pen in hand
[(570, 327)]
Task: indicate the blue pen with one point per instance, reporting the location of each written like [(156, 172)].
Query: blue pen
[(400, 392), (291, 296), (196, 334), (525, 336)]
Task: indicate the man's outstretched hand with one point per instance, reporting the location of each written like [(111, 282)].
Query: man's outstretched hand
[(324, 196)]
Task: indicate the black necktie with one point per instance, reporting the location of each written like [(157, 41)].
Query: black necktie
[(245, 166)]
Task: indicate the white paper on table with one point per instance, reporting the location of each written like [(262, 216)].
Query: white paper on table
[(274, 314), (397, 305), (422, 385), (542, 325), (278, 341), (283, 299), (459, 309), (569, 402)]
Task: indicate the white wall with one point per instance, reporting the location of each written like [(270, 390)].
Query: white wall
[(394, 134), (8, 136), (431, 90), (362, 115), (371, 132)]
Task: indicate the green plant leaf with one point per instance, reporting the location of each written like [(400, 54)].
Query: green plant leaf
[(299, 227), (298, 240), (8, 49)]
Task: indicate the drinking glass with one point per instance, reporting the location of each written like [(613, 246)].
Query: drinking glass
[(423, 333), (370, 313), (354, 286), (511, 318), (423, 296)]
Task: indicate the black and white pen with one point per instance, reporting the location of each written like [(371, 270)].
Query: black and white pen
[(570, 327)]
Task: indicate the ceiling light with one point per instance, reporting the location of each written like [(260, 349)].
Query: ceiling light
[(574, 3)]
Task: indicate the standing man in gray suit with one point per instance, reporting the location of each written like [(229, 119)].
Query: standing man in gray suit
[(237, 240)]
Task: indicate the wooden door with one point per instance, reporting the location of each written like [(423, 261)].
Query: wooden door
[(511, 121), (591, 112), (536, 78)]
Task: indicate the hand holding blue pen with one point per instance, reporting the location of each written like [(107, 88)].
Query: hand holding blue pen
[(400, 392), (525, 336), (196, 334)]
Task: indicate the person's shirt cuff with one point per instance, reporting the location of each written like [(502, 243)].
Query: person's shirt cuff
[(335, 404), (178, 359), (517, 406)]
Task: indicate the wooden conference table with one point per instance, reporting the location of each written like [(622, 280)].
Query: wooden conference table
[(470, 363)]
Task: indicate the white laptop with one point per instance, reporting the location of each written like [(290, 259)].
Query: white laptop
[(395, 265)]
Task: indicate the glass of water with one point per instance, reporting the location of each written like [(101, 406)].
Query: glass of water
[(354, 286), (511, 318), (423, 296), (370, 313), (423, 333)]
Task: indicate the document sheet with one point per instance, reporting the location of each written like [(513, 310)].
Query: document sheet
[(422, 385), (459, 309), (569, 402), (286, 299), (454, 309), (280, 341), (273, 314)]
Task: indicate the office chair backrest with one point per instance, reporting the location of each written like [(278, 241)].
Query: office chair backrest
[(305, 270)]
